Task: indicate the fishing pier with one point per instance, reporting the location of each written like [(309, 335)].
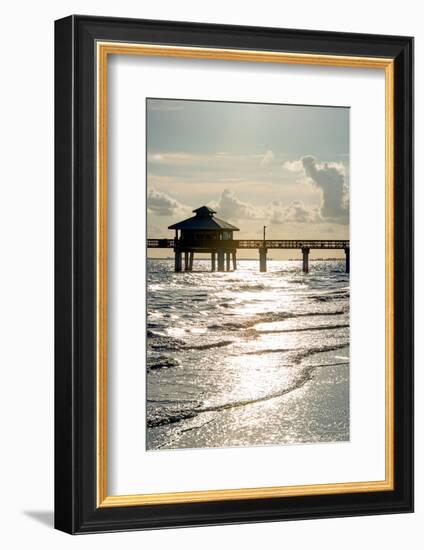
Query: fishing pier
[(206, 234)]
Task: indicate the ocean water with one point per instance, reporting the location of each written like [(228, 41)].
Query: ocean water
[(244, 358)]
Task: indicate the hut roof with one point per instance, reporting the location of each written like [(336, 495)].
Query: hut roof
[(204, 220), (204, 211)]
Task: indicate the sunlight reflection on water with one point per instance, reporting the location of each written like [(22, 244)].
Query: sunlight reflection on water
[(247, 358)]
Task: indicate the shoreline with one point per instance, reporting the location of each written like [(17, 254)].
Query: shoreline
[(249, 425)]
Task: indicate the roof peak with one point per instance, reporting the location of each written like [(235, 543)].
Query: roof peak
[(203, 223), (204, 211)]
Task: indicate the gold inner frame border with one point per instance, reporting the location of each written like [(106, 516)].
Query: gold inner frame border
[(103, 50)]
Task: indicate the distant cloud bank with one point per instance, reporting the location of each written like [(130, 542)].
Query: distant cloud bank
[(231, 207), (162, 204), (327, 181), (331, 179)]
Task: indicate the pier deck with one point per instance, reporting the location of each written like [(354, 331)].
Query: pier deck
[(227, 247), (253, 243)]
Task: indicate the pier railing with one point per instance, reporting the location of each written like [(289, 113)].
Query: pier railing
[(252, 244), (285, 243), (160, 243)]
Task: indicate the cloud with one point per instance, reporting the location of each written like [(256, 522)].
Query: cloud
[(218, 167), (295, 212), (161, 204), (157, 157), (293, 166), (175, 158), (331, 179), (267, 158), (229, 206)]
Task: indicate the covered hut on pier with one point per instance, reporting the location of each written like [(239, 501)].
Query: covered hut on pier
[(204, 233)]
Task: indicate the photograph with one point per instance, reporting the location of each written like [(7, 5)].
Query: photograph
[(220, 356), (247, 274)]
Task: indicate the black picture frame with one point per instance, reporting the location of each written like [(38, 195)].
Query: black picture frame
[(76, 509)]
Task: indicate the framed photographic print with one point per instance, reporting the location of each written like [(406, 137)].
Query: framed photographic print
[(233, 274)]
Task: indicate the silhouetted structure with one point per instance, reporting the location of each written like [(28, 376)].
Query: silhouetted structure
[(204, 233)]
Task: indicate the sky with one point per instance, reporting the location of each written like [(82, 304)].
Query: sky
[(282, 166)]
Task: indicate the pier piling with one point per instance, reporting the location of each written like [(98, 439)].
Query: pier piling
[(305, 254), (213, 261), (220, 261), (178, 262), (347, 253), (262, 260), (234, 260), (228, 258)]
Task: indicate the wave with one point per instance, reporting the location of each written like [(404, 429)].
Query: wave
[(319, 313), (299, 353), (270, 317), (265, 351), (153, 325), (330, 297), (161, 342), (303, 329), (232, 325), (165, 417), (157, 420), (303, 354), (338, 364), (210, 345), (161, 362), (258, 286)]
